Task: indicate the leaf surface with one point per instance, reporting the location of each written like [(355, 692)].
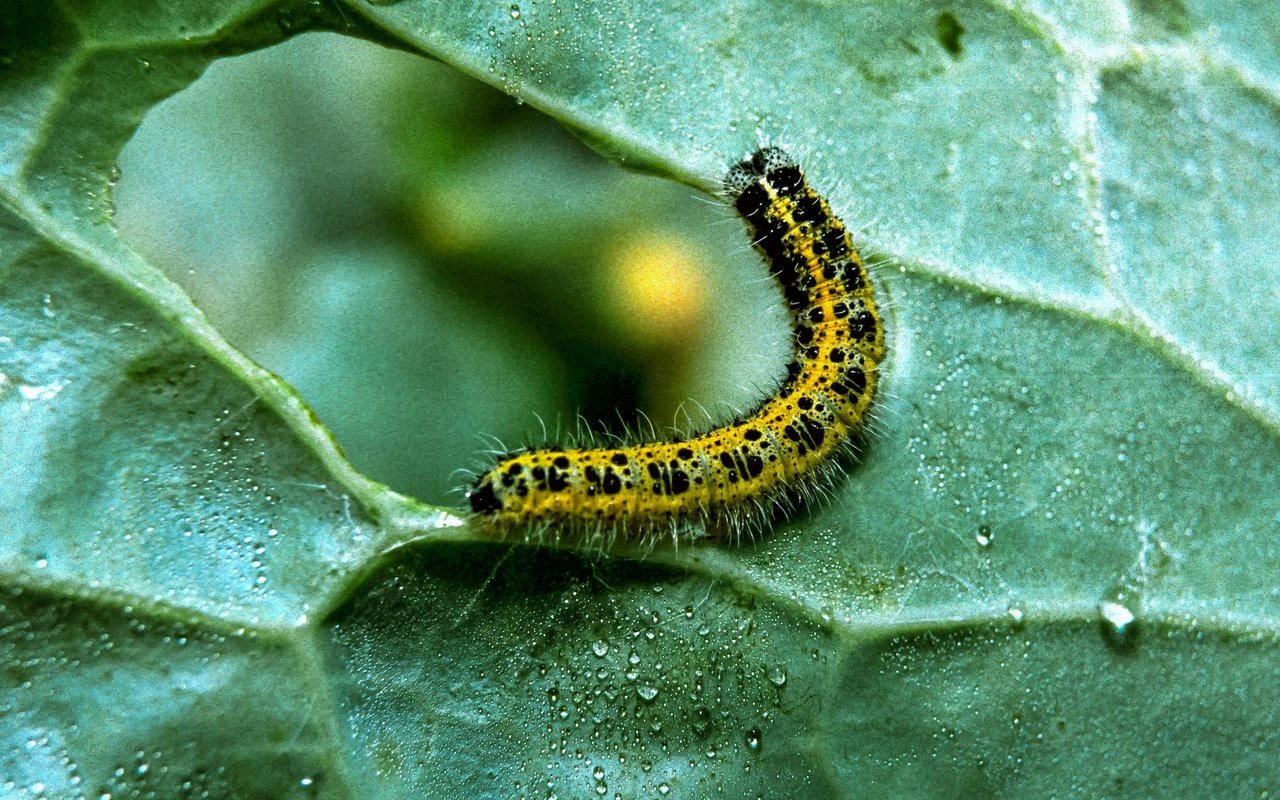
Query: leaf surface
[(1053, 571)]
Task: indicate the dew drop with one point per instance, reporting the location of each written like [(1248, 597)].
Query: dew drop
[(778, 676), (647, 692), (752, 738), (702, 721), (983, 537), (600, 648), (1118, 620)]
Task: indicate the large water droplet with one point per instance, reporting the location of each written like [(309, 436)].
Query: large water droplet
[(778, 676), (1119, 620)]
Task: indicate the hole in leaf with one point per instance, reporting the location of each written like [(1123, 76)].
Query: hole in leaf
[(427, 261)]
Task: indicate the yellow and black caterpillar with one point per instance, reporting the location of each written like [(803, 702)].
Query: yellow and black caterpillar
[(730, 480)]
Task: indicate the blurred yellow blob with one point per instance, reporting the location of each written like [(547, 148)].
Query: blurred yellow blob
[(656, 291)]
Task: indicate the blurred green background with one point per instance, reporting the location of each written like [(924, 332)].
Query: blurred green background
[(431, 264)]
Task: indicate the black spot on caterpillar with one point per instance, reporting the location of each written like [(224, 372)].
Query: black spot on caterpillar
[(731, 480)]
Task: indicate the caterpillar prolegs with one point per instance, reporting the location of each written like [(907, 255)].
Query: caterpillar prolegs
[(734, 479)]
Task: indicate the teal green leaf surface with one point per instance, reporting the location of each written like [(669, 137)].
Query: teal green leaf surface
[(1055, 570)]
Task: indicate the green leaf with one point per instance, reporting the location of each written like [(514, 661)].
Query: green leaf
[(1053, 572)]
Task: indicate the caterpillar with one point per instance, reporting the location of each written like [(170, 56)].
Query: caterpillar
[(733, 479)]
